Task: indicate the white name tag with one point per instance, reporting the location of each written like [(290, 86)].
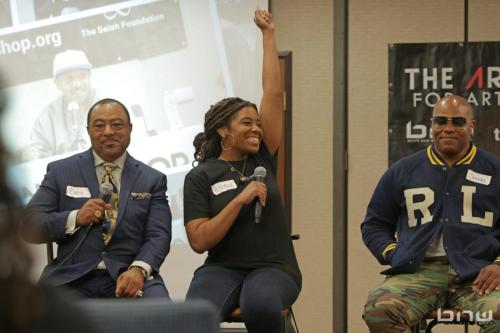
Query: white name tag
[(224, 186), (77, 192), (478, 178)]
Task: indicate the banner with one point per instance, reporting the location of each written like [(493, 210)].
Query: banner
[(421, 74)]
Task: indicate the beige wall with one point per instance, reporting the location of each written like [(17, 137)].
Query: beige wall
[(306, 29), (372, 26)]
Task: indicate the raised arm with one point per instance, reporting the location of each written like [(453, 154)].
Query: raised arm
[(271, 106)]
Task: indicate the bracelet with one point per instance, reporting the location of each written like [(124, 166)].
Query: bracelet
[(142, 270)]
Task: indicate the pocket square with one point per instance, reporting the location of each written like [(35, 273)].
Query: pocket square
[(140, 196)]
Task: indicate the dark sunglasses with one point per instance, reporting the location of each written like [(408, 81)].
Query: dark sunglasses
[(442, 121)]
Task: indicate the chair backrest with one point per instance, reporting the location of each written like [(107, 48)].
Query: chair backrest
[(154, 315), (50, 252)]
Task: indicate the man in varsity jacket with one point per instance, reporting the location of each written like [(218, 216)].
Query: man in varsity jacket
[(435, 219)]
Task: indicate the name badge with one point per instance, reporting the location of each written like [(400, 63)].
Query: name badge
[(77, 192), (224, 186), (478, 178)]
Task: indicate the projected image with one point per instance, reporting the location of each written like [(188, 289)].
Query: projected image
[(5, 18), (167, 61), (54, 8)]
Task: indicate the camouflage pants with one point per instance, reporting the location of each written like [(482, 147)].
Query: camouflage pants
[(398, 303)]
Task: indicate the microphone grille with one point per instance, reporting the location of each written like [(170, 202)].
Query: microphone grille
[(106, 188), (260, 171)]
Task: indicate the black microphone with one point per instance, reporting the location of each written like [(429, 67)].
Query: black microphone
[(259, 175), (106, 191), (105, 194)]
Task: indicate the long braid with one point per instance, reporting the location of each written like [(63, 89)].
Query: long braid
[(207, 143)]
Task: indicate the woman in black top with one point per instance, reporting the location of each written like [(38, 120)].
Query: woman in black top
[(250, 265)]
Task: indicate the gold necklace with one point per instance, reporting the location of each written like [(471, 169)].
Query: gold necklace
[(233, 169)]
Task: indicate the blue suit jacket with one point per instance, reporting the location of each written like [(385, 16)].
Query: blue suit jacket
[(143, 230)]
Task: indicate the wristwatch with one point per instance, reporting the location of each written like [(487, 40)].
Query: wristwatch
[(142, 270)]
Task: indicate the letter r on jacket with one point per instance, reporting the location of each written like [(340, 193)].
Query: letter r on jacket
[(422, 206)]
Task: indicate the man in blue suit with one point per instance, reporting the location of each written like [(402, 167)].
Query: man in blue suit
[(112, 247)]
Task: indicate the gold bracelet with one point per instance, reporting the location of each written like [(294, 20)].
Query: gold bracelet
[(142, 270)]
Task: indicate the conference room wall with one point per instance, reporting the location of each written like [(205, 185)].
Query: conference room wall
[(372, 26), (306, 29)]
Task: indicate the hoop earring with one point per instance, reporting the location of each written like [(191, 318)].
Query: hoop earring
[(222, 143)]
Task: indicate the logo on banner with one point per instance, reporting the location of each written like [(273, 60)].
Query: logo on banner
[(417, 133)]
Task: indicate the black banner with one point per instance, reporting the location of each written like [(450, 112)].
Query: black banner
[(421, 74)]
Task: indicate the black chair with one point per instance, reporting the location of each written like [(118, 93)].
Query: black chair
[(50, 252), (152, 315), (289, 325)]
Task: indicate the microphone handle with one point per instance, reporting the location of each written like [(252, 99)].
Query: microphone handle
[(106, 197), (258, 206)]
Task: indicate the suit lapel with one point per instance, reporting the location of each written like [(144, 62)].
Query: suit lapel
[(87, 168), (129, 176)]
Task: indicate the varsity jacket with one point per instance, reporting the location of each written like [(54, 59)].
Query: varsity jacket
[(420, 196)]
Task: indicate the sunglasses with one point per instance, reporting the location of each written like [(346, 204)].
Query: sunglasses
[(442, 121)]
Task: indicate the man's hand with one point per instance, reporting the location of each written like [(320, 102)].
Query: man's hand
[(488, 279), (129, 283), (91, 212)]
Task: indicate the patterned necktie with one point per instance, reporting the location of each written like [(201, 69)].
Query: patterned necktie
[(110, 215)]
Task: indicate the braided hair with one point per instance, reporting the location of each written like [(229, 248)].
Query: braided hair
[(207, 144)]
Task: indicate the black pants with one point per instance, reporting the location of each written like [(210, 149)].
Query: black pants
[(261, 294)]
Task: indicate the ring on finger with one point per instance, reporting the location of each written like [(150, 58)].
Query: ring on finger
[(98, 214), (139, 293)]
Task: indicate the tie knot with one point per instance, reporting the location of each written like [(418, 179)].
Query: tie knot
[(109, 167)]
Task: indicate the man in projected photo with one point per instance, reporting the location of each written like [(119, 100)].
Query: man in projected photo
[(435, 219), (60, 127)]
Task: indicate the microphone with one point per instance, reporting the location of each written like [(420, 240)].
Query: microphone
[(259, 175), (106, 191), (105, 194)]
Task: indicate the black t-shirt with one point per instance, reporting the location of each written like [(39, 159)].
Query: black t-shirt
[(211, 185)]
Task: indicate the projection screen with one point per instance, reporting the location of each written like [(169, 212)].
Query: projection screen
[(166, 60)]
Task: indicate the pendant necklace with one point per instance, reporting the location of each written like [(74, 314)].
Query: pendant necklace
[(242, 173)]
